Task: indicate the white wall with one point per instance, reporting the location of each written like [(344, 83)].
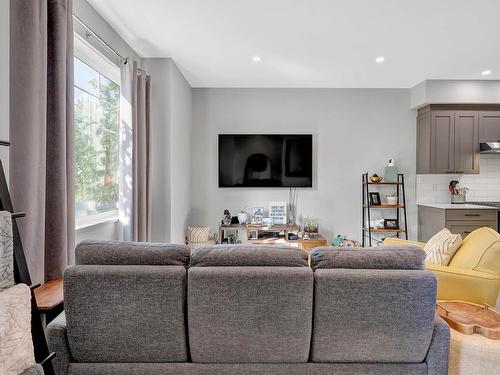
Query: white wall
[(485, 186), (355, 131), (4, 82), (171, 108), (455, 91)]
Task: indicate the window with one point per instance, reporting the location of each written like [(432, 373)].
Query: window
[(97, 121)]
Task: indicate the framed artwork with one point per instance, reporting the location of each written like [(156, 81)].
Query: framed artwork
[(277, 212), (253, 235), (391, 224), (375, 199)]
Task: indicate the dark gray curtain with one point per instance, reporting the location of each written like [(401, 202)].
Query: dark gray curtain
[(41, 132), (141, 156)]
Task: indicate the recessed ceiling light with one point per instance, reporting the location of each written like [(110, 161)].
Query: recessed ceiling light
[(380, 59), (256, 59), (486, 72)]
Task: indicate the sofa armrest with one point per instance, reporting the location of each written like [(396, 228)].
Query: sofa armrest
[(401, 242), (58, 342), (466, 285), (437, 356)]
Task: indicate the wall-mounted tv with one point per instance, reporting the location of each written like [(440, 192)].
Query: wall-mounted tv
[(265, 160)]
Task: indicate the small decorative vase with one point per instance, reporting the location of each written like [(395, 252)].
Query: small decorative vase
[(242, 218)]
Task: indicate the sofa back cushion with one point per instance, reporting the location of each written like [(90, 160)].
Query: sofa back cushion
[(131, 253), (387, 257), (126, 313), (480, 251), (372, 315), (250, 314), (248, 255)]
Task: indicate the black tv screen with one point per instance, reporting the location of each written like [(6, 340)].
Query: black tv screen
[(267, 160)]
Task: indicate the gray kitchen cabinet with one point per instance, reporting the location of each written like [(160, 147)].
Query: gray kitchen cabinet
[(489, 126), (459, 221), (466, 142), (447, 140)]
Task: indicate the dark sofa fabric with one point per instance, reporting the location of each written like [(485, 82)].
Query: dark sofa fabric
[(126, 313), (246, 315), (131, 253), (250, 314), (388, 257), (248, 255)]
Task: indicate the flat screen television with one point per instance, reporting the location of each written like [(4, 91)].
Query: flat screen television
[(265, 160)]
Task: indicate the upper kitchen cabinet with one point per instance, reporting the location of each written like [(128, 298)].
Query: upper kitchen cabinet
[(448, 140), (489, 126)]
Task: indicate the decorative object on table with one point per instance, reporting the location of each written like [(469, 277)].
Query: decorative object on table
[(376, 223), (277, 211), (234, 220), (267, 221), (375, 199), (391, 172), (370, 201), (391, 199), (257, 215), (343, 241), (375, 178), (469, 318), (292, 205), (6, 251), (457, 194), (253, 235), (243, 216), (226, 218), (441, 248), (311, 226), (391, 224)]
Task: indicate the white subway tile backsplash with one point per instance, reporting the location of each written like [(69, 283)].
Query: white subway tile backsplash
[(485, 186)]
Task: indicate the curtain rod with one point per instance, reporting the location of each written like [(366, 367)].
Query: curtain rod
[(89, 30)]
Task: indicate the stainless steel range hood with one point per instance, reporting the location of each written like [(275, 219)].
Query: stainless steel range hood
[(489, 148)]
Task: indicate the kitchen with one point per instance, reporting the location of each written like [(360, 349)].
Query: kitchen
[(457, 143)]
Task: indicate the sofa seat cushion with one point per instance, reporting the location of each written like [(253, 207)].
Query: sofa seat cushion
[(386, 257), (480, 251), (248, 255), (442, 246), (131, 253)]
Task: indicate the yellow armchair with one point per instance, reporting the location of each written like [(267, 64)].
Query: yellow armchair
[(473, 273)]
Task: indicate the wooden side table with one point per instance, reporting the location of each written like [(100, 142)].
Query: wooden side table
[(49, 298)]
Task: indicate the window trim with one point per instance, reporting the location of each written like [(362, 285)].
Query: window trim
[(97, 61)]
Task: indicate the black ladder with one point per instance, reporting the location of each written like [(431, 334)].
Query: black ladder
[(22, 276), (367, 230)]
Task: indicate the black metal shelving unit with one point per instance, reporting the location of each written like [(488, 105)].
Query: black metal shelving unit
[(21, 274), (366, 229)]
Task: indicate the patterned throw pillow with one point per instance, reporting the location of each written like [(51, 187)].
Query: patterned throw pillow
[(442, 246), (198, 234), (6, 251), (16, 345)]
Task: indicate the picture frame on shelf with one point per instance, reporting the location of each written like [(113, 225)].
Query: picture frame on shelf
[(257, 215), (391, 224), (267, 221), (375, 199), (277, 211), (253, 235)]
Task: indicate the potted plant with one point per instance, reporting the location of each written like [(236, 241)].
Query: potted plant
[(311, 225), (392, 199), (243, 216)]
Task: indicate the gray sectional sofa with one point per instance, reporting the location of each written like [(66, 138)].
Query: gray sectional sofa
[(137, 308)]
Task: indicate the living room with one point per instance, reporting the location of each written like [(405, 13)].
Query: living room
[(231, 160)]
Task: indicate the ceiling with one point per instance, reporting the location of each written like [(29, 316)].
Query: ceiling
[(313, 43)]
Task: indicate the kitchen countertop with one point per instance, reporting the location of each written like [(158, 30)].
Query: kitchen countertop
[(450, 206)]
